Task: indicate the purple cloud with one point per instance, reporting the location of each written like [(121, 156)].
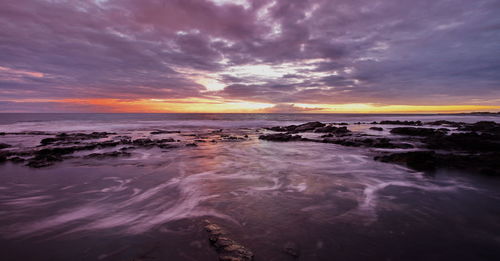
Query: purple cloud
[(296, 51)]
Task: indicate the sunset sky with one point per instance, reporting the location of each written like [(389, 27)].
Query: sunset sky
[(311, 56)]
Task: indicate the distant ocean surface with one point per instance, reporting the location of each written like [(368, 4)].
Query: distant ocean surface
[(109, 121)]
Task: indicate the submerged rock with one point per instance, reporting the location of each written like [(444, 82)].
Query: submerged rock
[(227, 248), (377, 128), (292, 249)]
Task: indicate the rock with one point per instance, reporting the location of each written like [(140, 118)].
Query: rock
[(64, 137), (418, 160), (446, 123), (191, 145), (299, 128), (280, 137), (332, 129), (17, 160), (309, 126), (147, 142), (3, 157), (49, 156), (113, 154), (368, 142), (166, 146), (377, 128), (283, 129), (411, 123), (484, 163), (482, 126), (227, 248), (163, 132), (412, 131), (470, 141), (4, 146), (291, 249)]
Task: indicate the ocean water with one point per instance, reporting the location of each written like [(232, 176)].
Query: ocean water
[(327, 201)]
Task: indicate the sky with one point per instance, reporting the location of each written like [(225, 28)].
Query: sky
[(282, 56)]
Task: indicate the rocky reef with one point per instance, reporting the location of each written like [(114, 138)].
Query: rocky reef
[(471, 147)]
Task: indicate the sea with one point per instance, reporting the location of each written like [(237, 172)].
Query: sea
[(317, 201)]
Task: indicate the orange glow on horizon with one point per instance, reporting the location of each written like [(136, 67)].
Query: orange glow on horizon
[(205, 105)]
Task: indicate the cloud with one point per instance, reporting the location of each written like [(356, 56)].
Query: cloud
[(289, 108), (283, 52)]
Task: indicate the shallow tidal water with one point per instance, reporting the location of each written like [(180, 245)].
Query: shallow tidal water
[(324, 201)]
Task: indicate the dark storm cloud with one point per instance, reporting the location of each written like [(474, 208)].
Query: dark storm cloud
[(344, 51)]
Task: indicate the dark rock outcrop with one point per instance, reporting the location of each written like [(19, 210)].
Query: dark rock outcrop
[(4, 146), (377, 128), (163, 132), (148, 143), (227, 248), (412, 131), (485, 163), (418, 160), (332, 129), (310, 126), (470, 141), (411, 123), (64, 137), (490, 127), (368, 142), (445, 123), (280, 137), (112, 154)]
